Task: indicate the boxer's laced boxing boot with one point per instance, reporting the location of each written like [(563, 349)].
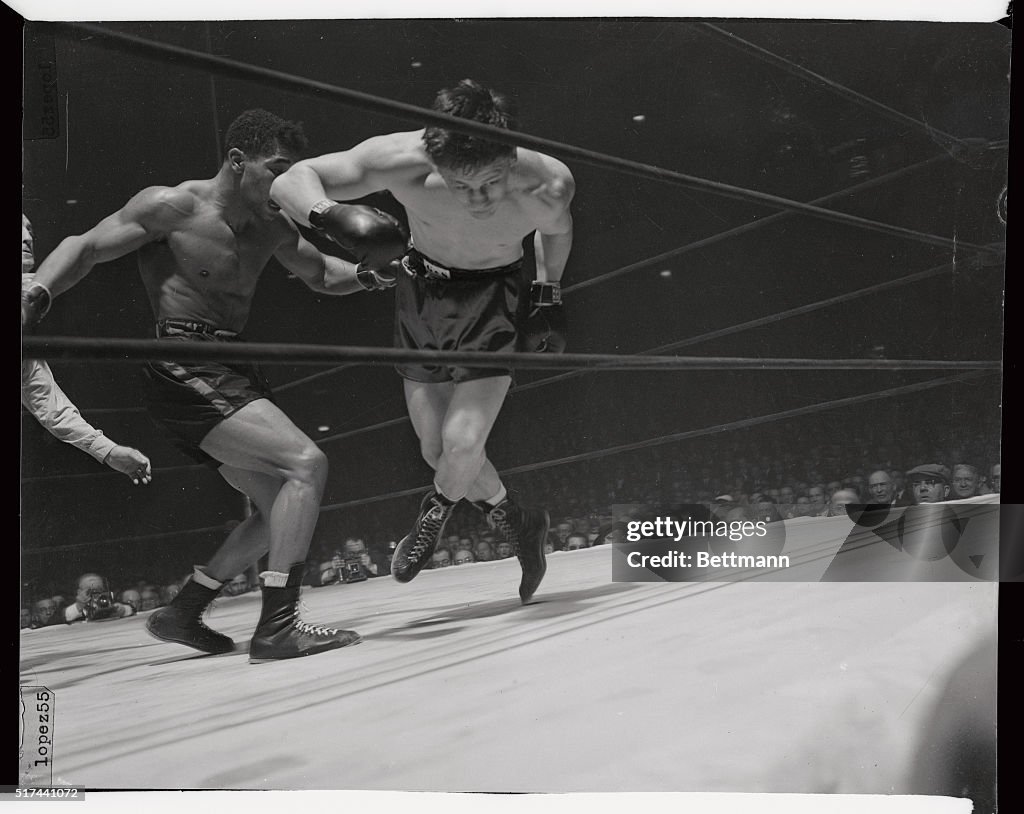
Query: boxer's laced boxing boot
[(280, 634), (417, 547), (527, 530), (182, 621)]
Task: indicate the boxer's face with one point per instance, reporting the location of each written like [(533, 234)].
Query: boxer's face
[(479, 190), (256, 175)]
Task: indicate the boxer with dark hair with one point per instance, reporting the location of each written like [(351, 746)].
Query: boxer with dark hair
[(471, 203), (202, 246)]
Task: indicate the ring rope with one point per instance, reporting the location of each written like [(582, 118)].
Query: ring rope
[(751, 226), (651, 261), (583, 456), (280, 388), (519, 388), (698, 433), (694, 340), (705, 242), (163, 535), (122, 350), (734, 41), (291, 82)]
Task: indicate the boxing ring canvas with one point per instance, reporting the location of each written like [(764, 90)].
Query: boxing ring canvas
[(828, 676)]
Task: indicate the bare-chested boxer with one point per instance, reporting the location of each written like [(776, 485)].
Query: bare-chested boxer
[(471, 203), (202, 246)]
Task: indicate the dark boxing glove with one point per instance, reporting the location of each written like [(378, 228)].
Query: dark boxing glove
[(544, 329), (379, 279), (35, 302), (373, 237)]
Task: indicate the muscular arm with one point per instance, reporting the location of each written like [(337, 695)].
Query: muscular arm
[(367, 167), (552, 251), (322, 273), (553, 238), (143, 219)]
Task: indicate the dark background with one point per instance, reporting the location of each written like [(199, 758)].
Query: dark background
[(127, 123)]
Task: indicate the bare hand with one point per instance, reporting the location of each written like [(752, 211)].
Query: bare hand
[(130, 462)]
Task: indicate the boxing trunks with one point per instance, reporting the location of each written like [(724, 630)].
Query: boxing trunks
[(189, 400), (441, 308)]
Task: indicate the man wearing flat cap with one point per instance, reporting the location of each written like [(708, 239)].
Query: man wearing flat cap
[(929, 483)]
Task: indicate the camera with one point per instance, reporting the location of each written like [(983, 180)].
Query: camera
[(100, 606), (352, 571)]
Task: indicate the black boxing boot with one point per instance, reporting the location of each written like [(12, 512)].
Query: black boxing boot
[(527, 530), (280, 634), (182, 621), (416, 548)]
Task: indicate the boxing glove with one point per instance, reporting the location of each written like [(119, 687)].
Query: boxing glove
[(373, 237), (544, 329), (378, 279), (35, 302)]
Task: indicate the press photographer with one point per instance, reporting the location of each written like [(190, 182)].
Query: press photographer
[(356, 564), (94, 602)]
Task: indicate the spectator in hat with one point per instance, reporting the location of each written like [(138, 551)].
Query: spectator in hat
[(929, 483)]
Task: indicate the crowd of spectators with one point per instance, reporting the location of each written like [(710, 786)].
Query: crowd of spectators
[(96, 600), (591, 503)]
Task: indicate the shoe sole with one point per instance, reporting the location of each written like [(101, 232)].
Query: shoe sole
[(543, 560), (352, 643), (185, 643), (404, 578)]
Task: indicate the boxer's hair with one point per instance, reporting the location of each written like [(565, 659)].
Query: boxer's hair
[(258, 132), (470, 100)]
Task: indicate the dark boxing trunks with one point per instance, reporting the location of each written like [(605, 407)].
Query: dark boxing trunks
[(190, 400), (441, 308)]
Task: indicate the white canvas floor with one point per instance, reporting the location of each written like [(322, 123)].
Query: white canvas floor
[(807, 687)]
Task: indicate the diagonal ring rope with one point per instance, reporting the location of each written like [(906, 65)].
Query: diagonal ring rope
[(734, 41), (795, 412), (291, 82), (757, 323), (690, 434)]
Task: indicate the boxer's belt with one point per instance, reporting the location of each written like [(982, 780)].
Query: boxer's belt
[(177, 327), (417, 264)]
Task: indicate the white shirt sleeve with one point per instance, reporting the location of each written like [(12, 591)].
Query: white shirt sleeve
[(43, 397)]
